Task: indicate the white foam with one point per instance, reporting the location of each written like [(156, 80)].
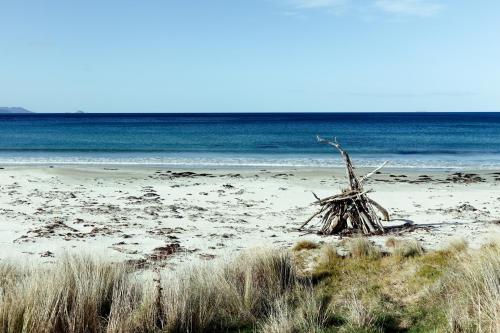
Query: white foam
[(436, 162)]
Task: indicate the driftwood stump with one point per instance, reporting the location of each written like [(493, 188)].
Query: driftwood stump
[(352, 210)]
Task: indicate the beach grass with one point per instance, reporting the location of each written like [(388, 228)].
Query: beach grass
[(305, 245), (316, 289)]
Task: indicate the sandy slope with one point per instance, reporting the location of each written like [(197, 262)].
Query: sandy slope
[(166, 216)]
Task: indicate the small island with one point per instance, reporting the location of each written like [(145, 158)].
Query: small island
[(13, 110)]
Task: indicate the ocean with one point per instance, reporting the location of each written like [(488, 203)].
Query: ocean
[(413, 140)]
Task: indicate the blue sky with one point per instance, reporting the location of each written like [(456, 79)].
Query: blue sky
[(250, 56)]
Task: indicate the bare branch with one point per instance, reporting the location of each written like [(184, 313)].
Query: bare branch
[(344, 197), (309, 220), (369, 174), (351, 176)]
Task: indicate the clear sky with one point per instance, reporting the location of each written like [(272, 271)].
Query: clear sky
[(250, 56)]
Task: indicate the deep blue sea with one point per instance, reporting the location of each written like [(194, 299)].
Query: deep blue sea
[(421, 140)]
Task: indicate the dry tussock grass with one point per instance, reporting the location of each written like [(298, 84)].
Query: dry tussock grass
[(74, 296), (263, 291), (305, 245), (406, 249), (472, 292), (83, 295), (363, 248)]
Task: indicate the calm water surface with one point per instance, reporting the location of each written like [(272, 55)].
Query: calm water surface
[(405, 139)]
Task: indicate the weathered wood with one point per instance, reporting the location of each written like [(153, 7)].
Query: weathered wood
[(353, 180), (352, 210), (381, 209), (343, 197), (309, 219), (369, 174)]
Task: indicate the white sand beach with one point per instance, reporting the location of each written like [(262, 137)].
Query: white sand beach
[(167, 216)]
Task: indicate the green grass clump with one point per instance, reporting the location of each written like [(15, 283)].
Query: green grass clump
[(395, 293)]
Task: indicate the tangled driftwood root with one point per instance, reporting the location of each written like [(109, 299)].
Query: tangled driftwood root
[(352, 210)]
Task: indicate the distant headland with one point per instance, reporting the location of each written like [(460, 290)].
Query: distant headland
[(20, 110), (13, 109)]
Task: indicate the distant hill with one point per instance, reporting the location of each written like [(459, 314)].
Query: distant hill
[(13, 109)]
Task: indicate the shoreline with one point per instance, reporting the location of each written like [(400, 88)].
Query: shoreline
[(329, 159), (248, 167)]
